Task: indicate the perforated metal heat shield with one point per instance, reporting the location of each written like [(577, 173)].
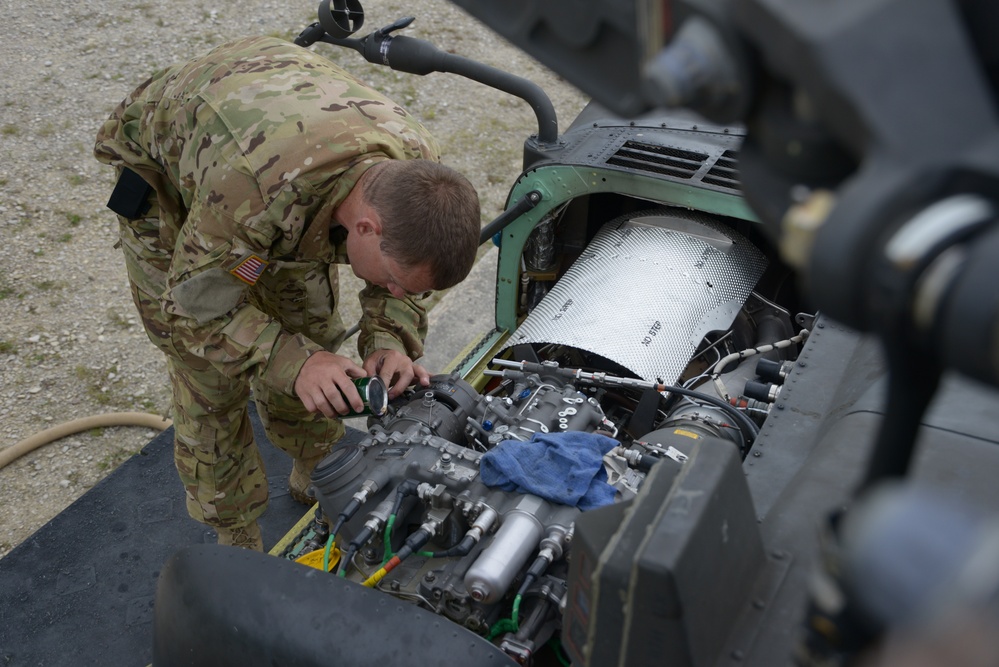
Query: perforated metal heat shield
[(646, 291)]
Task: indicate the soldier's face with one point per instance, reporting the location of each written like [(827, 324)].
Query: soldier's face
[(403, 282), (369, 262)]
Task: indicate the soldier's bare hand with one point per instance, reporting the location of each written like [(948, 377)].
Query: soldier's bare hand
[(396, 369), (324, 384)]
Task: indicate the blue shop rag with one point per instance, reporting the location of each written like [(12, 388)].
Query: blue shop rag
[(565, 468)]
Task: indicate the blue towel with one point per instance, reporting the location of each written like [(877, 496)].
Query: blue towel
[(565, 468)]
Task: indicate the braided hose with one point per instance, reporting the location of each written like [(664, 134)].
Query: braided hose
[(762, 349)]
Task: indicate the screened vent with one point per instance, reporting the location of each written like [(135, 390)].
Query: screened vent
[(658, 159), (725, 172)]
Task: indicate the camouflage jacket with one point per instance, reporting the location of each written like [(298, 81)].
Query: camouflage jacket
[(250, 148)]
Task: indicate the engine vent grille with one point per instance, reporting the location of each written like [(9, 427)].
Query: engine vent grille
[(658, 159), (725, 172)]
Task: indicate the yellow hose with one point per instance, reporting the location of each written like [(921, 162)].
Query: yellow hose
[(35, 441)]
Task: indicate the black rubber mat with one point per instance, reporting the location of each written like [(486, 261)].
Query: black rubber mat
[(80, 590)]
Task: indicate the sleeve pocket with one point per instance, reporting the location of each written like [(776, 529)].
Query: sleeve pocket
[(203, 289)]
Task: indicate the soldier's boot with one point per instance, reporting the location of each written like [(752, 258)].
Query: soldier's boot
[(301, 478), (246, 537)]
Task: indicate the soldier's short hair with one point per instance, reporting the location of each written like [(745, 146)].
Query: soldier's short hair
[(430, 216)]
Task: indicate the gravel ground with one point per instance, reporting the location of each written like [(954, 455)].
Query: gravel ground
[(70, 342)]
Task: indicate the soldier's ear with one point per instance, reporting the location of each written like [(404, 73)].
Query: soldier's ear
[(369, 225)]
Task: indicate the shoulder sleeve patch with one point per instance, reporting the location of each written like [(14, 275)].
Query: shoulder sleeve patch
[(249, 269)]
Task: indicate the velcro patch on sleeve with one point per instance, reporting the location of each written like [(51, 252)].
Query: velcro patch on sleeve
[(249, 270)]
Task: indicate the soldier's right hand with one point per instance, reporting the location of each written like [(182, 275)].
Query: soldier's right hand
[(324, 384)]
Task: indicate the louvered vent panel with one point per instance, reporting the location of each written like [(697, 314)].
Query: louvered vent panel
[(725, 171), (658, 159)]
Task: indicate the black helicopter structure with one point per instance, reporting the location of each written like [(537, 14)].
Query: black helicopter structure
[(737, 407)]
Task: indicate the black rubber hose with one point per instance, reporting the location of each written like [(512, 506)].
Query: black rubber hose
[(461, 549), (537, 568), (418, 56), (406, 488), (646, 462), (355, 545)]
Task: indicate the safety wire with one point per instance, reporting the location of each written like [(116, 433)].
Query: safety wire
[(512, 624), (689, 384), (559, 651), (342, 519), (326, 552), (388, 539), (342, 571), (713, 347), (506, 624)]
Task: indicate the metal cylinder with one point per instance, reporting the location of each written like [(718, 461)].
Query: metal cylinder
[(762, 391), (703, 420), (493, 571), (374, 394)]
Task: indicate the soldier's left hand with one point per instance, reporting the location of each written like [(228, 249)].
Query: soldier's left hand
[(396, 369)]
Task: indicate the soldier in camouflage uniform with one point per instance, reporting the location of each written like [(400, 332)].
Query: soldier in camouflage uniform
[(262, 166)]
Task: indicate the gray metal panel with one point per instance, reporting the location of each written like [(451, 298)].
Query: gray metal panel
[(645, 292), (836, 368), (812, 453)]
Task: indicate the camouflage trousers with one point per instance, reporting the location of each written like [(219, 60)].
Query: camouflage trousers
[(214, 450)]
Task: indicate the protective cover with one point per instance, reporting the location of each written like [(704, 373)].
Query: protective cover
[(219, 606), (646, 290)]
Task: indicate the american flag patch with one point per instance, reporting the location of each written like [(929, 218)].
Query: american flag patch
[(249, 269)]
